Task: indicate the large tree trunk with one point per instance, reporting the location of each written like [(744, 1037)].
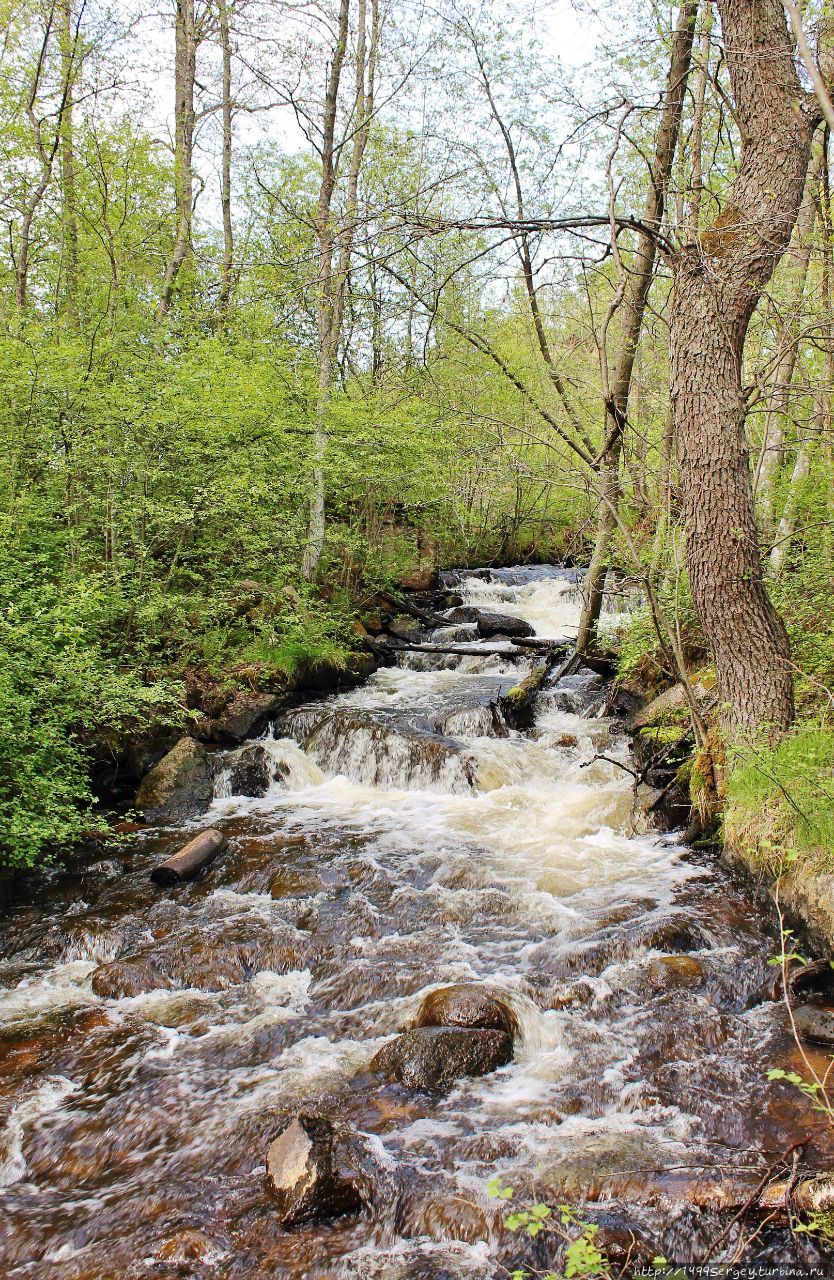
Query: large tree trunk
[(185, 71), (634, 309), (718, 283)]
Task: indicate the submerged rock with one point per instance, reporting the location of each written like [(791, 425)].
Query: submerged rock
[(303, 1173), (179, 787), (463, 1005), (669, 972), (435, 1057), (492, 624), (132, 977)]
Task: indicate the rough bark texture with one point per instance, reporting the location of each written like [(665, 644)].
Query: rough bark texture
[(634, 308), (718, 283)]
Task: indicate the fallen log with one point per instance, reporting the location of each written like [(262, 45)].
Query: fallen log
[(517, 704), (475, 650), (189, 861), (413, 610)]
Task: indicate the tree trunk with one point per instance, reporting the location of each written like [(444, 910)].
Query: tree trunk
[(334, 278), (185, 71), (801, 470), (718, 283), (69, 74), (634, 309), (226, 163), (774, 433), (325, 298)]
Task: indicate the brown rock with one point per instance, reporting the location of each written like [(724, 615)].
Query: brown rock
[(668, 972), (129, 978), (463, 1005), (435, 1057), (301, 1175)]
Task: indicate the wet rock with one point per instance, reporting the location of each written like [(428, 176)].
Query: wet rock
[(404, 628), (669, 972), (814, 979), (131, 977), (303, 1172), (179, 787), (518, 703), (188, 1245), (466, 1006), (435, 1057), (677, 934), (246, 714), (250, 775), (815, 1022), (492, 624)]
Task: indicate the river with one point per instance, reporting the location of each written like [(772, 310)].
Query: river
[(402, 845)]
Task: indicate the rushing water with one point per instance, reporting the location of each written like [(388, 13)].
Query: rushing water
[(402, 846)]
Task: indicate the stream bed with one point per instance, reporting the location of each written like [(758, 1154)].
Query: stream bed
[(152, 1039)]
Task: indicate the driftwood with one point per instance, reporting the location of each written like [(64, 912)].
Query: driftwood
[(190, 859)]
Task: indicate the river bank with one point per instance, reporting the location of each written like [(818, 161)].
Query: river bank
[(407, 839)]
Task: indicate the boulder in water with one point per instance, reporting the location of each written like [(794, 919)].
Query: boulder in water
[(492, 624), (179, 787), (435, 1057), (304, 1174), (465, 1005), (246, 714), (815, 1022), (250, 775)]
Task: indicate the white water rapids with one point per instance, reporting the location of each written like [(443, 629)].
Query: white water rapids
[(400, 846)]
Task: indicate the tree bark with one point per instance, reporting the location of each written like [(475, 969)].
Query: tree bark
[(185, 71), (69, 74), (226, 161), (334, 272), (718, 283), (774, 433), (634, 309), (325, 299)]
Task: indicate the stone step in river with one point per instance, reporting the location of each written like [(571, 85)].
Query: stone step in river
[(401, 838)]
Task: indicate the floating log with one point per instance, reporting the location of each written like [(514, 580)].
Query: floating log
[(190, 859), (475, 649)]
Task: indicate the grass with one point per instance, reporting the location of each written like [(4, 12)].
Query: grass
[(780, 800)]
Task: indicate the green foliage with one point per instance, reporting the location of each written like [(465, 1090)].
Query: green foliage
[(582, 1256), (60, 688), (783, 795)]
